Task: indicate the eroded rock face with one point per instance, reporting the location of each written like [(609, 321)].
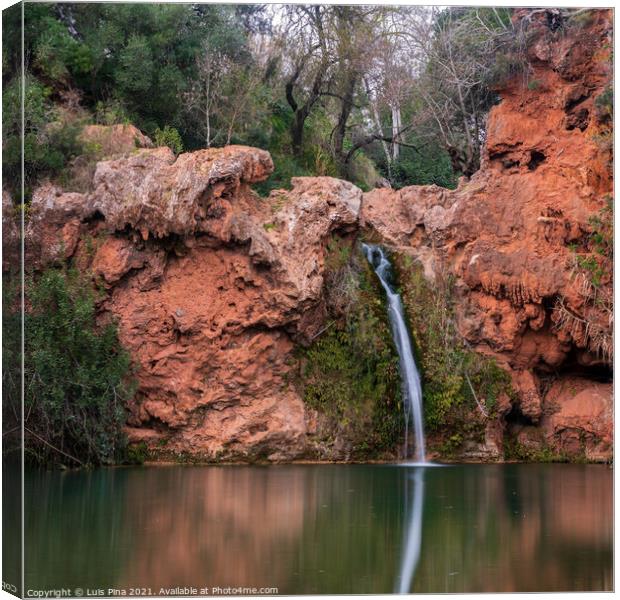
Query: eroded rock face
[(156, 194), (509, 234), (213, 287), (579, 418), (110, 140), (54, 225)]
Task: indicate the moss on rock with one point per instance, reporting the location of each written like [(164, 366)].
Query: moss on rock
[(349, 375), (461, 388)]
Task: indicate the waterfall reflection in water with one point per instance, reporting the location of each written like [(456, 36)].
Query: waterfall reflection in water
[(323, 529), (412, 540)]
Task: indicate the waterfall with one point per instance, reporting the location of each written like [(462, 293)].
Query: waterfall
[(412, 390)]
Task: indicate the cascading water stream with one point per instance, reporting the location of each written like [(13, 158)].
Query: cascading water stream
[(412, 390)]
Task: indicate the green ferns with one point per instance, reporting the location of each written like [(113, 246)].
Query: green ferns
[(350, 374)]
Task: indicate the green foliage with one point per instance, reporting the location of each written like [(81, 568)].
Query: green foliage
[(602, 236), (605, 104), (169, 136), (11, 358), (315, 160), (57, 55), (449, 368), (590, 264), (187, 76), (596, 259), (49, 144), (135, 70), (350, 374), (111, 112), (76, 374), (125, 63), (470, 49), (516, 451), (451, 445), (488, 379), (136, 454), (431, 165), (137, 56), (362, 172), (285, 168)]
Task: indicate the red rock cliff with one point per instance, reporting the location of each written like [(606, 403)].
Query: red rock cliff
[(213, 286), (517, 236)]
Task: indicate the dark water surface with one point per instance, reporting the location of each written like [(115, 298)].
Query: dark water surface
[(309, 529)]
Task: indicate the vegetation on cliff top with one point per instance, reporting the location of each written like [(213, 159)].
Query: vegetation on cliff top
[(355, 91)]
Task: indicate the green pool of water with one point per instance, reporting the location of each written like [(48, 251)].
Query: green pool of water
[(308, 529)]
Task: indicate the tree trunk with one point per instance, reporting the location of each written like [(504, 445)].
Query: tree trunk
[(302, 112), (470, 148), (341, 127), (377, 120), (396, 127), (297, 132)]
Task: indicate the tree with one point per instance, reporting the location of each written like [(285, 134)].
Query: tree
[(309, 70), (460, 47), (336, 48)]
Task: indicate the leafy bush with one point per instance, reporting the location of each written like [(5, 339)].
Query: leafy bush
[(596, 258), (363, 172), (169, 136), (516, 451), (111, 112), (49, 144), (430, 166), (76, 374), (285, 168)]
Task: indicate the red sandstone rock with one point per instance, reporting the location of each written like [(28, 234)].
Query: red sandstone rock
[(506, 234), (527, 386), (211, 321), (54, 225), (578, 418), (212, 286), (111, 140), (156, 194)]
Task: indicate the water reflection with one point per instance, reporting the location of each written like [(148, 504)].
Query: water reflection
[(316, 529), (412, 542)]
